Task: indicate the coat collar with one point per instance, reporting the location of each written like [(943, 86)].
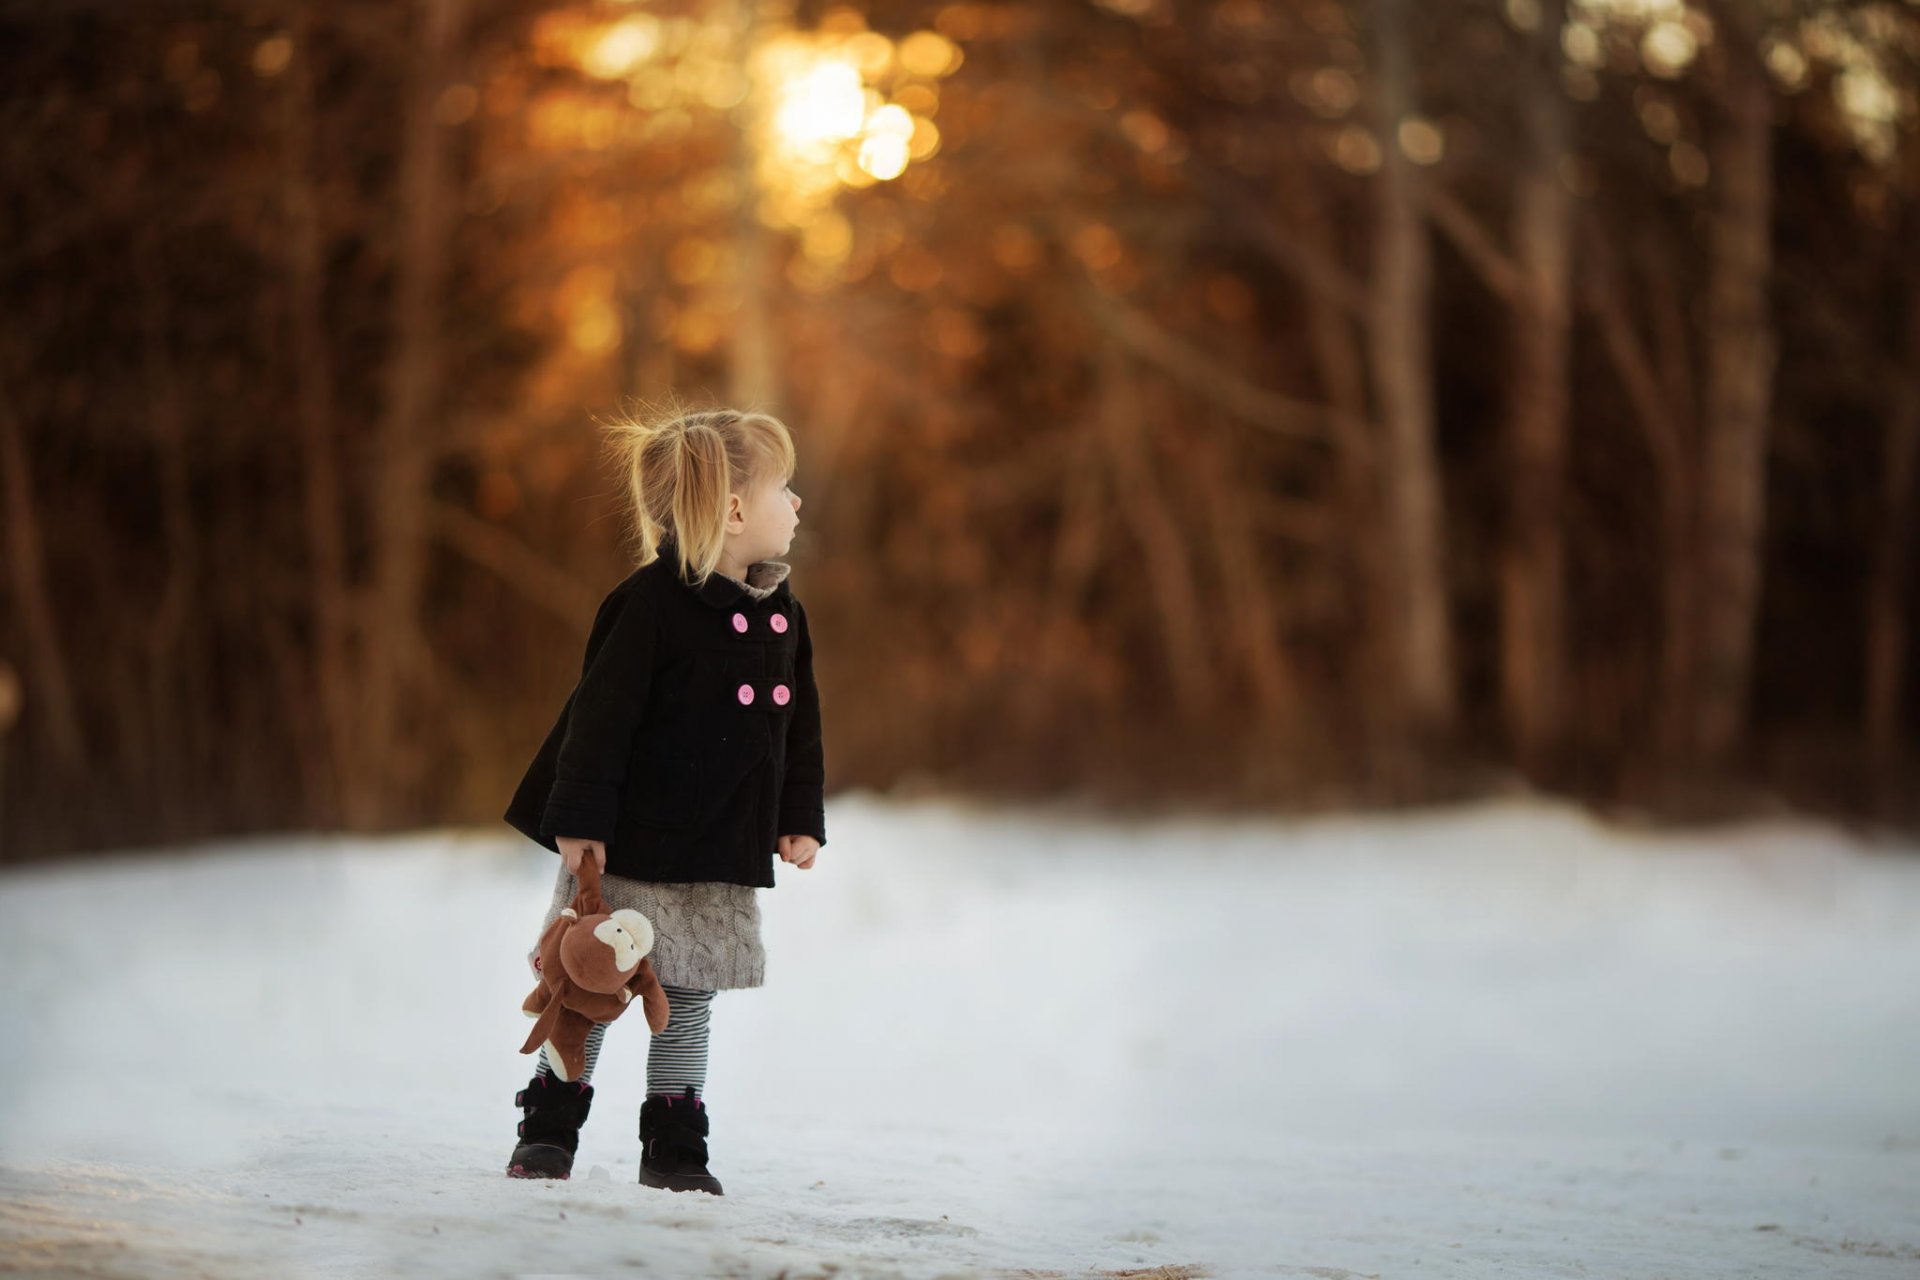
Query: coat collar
[(765, 578)]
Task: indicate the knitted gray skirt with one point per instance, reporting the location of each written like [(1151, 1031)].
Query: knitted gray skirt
[(706, 934)]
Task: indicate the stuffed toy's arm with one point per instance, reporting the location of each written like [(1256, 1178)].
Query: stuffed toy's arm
[(645, 983)]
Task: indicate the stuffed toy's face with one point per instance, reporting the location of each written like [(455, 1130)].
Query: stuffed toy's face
[(630, 934), (601, 952)]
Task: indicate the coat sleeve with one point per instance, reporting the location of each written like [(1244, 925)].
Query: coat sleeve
[(802, 807), (592, 761)]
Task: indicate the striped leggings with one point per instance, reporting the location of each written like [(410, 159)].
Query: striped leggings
[(677, 1056)]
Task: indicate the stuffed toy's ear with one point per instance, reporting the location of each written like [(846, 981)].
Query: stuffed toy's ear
[(546, 958)]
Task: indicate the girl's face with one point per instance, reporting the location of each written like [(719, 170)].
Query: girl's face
[(764, 520)]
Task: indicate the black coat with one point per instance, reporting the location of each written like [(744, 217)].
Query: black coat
[(691, 743)]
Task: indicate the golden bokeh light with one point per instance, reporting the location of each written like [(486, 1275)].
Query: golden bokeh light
[(829, 237), (1354, 149), (929, 54), (1421, 140), (585, 306), (871, 52), (1016, 248), (829, 127), (618, 49), (820, 111), (1668, 48), (819, 107), (272, 55)]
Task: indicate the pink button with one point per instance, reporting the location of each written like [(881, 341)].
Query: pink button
[(778, 622), (781, 694), (746, 695), (739, 622)]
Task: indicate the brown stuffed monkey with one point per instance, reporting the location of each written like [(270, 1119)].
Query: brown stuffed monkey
[(592, 963)]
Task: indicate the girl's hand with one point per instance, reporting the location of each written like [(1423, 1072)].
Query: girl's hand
[(799, 850), (574, 850)]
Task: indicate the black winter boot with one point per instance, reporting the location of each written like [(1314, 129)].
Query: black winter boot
[(550, 1134), (673, 1143)]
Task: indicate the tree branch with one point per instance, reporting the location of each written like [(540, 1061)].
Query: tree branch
[(1632, 362), (1495, 267), (515, 563), (1265, 232), (1194, 369)]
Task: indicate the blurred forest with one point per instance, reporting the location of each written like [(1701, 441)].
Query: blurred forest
[(1220, 402)]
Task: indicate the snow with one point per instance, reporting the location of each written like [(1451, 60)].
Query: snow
[(1500, 1040)]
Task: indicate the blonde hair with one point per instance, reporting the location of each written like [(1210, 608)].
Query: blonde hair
[(680, 465)]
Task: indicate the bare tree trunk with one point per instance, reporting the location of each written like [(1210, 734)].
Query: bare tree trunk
[(1887, 626), (1677, 453), (1163, 545), (1341, 365), (1654, 404), (1402, 370), (1078, 543), (331, 606), (1253, 626), (58, 713), (1533, 572), (1740, 361), (390, 750), (285, 669), (753, 380), (174, 689)]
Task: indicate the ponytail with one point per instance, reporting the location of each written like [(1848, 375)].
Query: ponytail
[(702, 481), (681, 466)]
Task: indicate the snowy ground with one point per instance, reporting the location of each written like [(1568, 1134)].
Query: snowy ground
[(1499, 1041)]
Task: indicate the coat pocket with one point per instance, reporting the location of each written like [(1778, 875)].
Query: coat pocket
[(663, 789), (736, 756)]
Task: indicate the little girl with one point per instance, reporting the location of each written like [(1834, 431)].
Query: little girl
[(687, 755)]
